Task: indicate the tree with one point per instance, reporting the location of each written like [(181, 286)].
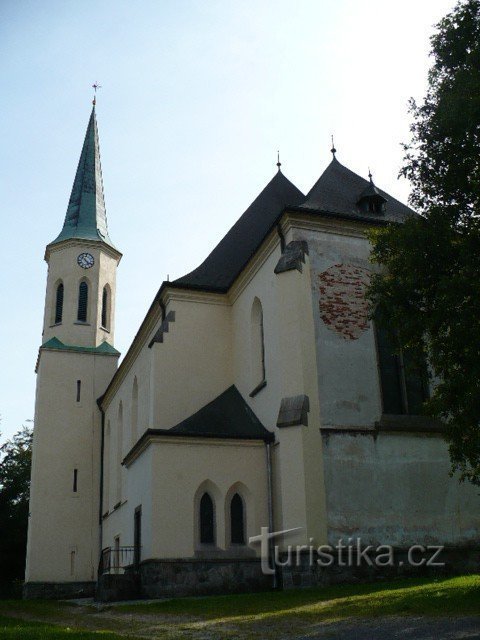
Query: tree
[(15, 464), (428, 284)]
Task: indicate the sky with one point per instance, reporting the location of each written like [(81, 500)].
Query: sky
[(196, 98)]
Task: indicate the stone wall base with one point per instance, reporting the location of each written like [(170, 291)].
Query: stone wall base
[(457, 560), (193, 577), (113, 587), (58, 590)]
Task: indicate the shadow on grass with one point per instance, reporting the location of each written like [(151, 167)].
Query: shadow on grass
[(460, 595)]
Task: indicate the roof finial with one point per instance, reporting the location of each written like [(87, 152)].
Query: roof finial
[(95, 86), (279, 164), (370, 175), (333, 150)]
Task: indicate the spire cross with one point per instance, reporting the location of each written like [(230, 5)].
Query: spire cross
[(333, 150), (279, 164), (370, 175), (95, 86)]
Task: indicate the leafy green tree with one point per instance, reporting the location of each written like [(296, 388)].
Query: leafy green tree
[(429, 285), (15, 461)]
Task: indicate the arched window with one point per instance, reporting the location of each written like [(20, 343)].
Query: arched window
[(237, 520), (59, 304), (207, 520), (257, 344), (82, 302), (134, 410), (106, 307)]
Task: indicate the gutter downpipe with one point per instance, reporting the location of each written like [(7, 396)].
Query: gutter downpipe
[(102, 453), (270, 513)]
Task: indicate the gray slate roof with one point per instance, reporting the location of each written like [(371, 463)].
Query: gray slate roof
[(338, 190), (336, 193), (230, 256), (227, 416), (86, 217)]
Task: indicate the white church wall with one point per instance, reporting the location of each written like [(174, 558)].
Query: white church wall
[(74, 427), (395, 489), (193, 364), (347, 364), (138, 492), (290, 370), (181, 467), (387, 488)]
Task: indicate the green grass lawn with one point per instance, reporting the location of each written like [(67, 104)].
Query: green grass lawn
[(246, 616), (14, 629)]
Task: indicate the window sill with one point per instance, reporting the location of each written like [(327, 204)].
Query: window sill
[(105, 329), (56, 324), (258, 388), (85, 324), (412, 423)]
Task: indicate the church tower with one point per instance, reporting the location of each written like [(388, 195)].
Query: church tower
[(76, 362)]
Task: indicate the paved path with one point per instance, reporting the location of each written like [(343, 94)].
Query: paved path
[(461, 628)]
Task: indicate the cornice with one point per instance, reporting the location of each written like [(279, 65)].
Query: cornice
[(152, 438), (188, 295), (86, 244), (312, 222)]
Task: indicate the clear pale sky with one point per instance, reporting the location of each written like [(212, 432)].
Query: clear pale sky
[(197, 97)]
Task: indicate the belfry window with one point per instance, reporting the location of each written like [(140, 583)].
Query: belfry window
[(59, 304), (237, 520), (207, 520), (105, 305), (82, 302), (404, 386)]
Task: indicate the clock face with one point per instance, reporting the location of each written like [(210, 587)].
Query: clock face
[(85, 260)]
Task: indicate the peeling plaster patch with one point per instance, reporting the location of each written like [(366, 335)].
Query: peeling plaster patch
[(343, 306)]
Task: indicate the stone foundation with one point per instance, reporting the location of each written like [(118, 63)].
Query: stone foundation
[(193, 577), (458, 560), (58, 590), (112, 587)]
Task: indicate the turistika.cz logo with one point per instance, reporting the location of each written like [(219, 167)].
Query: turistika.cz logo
[(346, 553)]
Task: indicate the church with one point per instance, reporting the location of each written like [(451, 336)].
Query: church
[(257, 395)]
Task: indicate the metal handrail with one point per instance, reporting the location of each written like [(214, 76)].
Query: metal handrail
[(117, 559)]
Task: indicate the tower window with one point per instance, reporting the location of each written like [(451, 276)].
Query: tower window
[(59, 304), (105, 304), (207, 525), (237, 520), (79, 388), (75, 480), (82, 302)]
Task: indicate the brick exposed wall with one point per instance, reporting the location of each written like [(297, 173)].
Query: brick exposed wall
[(343, 307)]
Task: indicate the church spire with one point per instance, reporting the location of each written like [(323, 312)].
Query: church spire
[(86, 217)]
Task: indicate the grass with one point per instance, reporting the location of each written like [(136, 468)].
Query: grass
[(247, 616), (14, 629), (452, 596)]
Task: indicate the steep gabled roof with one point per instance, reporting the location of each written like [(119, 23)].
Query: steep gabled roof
[(227, 416), (338, 191), (230, 256), (86, 217)]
